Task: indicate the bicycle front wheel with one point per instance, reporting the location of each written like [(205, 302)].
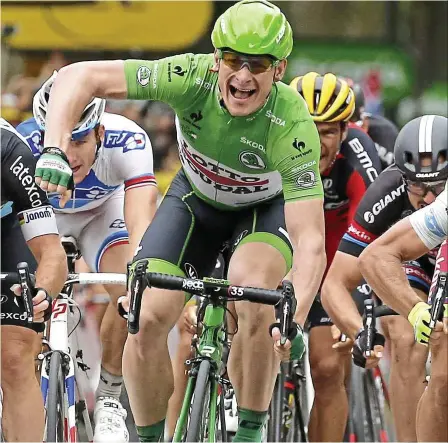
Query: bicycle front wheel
[(201, 404), (55, 421)]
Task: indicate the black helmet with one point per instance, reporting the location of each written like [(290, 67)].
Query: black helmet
[(360, 101), (423, 135)]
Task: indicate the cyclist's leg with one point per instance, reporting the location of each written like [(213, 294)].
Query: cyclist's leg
[(262, 258), (432, 412), (185, 233), (180, 375), (105, 248), (330, 408), (408, 358), (22, 399)]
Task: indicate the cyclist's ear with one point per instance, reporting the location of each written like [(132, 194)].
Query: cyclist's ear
[(280, 70), (215, 67)]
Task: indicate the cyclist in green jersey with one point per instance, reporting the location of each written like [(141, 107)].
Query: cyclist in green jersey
[(250, 174)]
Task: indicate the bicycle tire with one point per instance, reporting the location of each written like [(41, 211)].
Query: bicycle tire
[(195, 426), (55, 420), (358, 405), (377, 417)]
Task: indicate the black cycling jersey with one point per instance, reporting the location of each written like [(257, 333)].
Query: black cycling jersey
[(356, 167), (385, 203), (18, 165), (26, 213), (384, 133)]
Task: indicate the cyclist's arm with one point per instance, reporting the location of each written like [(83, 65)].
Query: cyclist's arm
[(407, 240), (36, 217), (304, 215), (381, 265), (51, 271), (306, 227), (74, 87), (342, 278), (140, 204)]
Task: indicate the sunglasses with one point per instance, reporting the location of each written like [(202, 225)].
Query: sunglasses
[(257, 64), (421, 188)]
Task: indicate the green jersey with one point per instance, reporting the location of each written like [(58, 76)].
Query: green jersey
[(232, 162)]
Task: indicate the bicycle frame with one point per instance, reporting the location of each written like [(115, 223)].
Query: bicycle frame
[(210, 347), (59, 342)]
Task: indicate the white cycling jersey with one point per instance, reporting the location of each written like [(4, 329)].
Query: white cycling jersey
[(95, 214), (125, 158), (431, 222)]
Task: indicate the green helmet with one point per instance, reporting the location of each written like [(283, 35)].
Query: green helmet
[(254, 27)]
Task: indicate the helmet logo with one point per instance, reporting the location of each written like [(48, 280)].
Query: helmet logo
[(280, 34), (223, 26)]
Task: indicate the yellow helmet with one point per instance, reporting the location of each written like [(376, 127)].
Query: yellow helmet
[(329, 98)]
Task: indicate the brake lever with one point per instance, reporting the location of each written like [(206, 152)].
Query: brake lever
[(288, 308), (26, 286), (439, 300), (369, 325), (138, 284)]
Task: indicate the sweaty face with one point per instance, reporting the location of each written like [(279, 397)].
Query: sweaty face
[(243, 91), (331, 136), (81, 155)]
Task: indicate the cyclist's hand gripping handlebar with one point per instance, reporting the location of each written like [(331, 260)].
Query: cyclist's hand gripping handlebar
[(285, 311)]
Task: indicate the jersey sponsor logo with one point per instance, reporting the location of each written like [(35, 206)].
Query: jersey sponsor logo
[(143, 75), (203, 84), (369, 216), (27, 181), (13, 316), (3, 299), (364, 158), (359, 234), (178, 70), (306, 179), (432, 224), (154, 76), (93, 193), (327, 183), (274, 119), (252, 144), (40, 213), (196, 116), (416, 271), (384, 155), (364, 289), (252, 160), (118, 224), (222, 178), (34, 141), (36, 222), (298, 145), (304, 166), (129, 141)]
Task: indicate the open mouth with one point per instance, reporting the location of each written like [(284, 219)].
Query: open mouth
[(241, 94), (76, 169)]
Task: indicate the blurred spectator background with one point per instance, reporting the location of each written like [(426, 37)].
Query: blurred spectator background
[(396, 50)]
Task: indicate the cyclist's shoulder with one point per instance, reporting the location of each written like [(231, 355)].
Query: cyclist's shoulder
[(32, 134), (121, 132), (289, 104), (11, 138), (386, 200)]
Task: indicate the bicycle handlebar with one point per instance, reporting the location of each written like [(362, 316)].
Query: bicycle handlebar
[(207, 287), (82, 278)]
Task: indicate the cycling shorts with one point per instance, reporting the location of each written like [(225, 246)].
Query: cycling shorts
[(187, 234), (96, 230)]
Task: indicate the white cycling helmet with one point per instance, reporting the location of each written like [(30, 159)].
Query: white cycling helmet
[(89, 119)]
